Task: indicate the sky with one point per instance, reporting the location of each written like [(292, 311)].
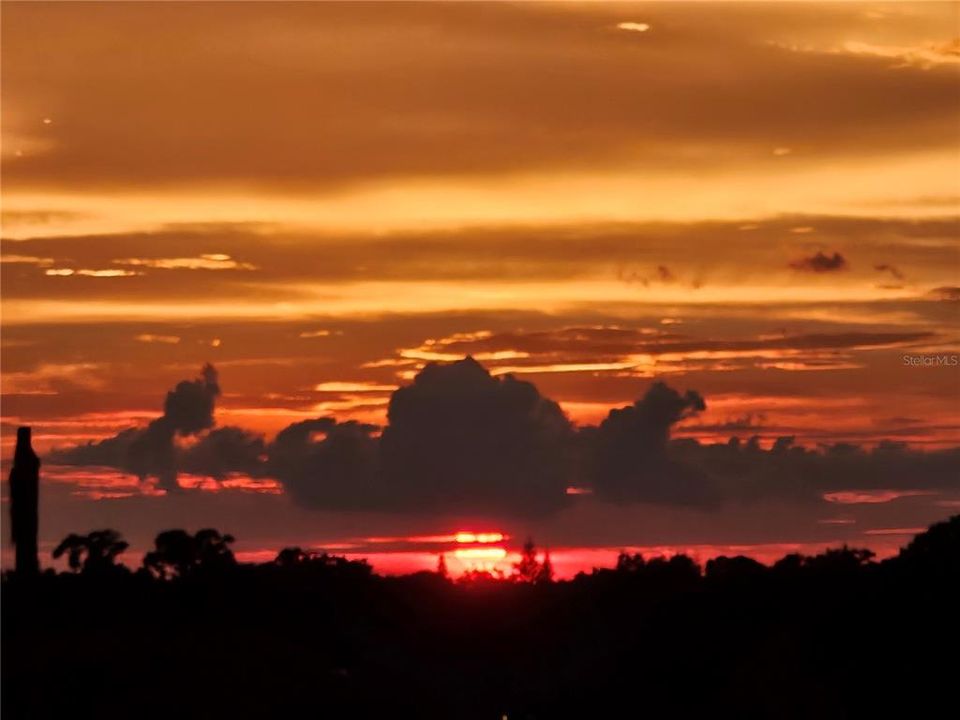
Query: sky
[(653, 228)]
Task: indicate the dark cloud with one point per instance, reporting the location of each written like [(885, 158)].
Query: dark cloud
[(748, 421), (323, 463), (188, 408), (821, 263), (661, 274), (664, 274), (627, 454), (152, 451), (745, 472), (946, 292), (459, 440), (224, 451), (887, 268), (458, 437)]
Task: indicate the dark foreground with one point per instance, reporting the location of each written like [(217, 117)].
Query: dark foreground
[(833, 636)]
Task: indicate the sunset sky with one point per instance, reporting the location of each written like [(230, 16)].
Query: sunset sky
[(759, 203)]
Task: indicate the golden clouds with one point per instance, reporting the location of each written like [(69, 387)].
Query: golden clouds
[(336, 96), (209, 261), (639, 27)]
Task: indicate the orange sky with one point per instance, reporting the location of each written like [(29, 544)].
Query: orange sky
[(756, 201)]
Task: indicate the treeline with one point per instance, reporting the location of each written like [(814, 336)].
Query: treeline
[(195, 634), (178, 554)]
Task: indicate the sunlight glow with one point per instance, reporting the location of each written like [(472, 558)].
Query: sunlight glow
[(469, 537), (476, 553)]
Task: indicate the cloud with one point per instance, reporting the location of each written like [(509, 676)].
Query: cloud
[(649, 350), (947, 292), (820, 263), (926, 56), (188, 408), (27, 260), (887, 268), (627, 454), (152, 338), (223, 452), (459, 437), (745, 472), (326, 464), (105, 273), (725, 258), (151, 451), (352, 387), (462, 441), (208, 261), (50, 378), (459, 106)]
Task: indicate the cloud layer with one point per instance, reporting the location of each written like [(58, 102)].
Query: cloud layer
[(347, 93), (459, 440)]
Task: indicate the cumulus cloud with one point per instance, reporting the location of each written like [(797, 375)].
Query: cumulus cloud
[(459, 437), (323, 463), (224, 451), (461, 440), (744, 471), (151, 451), (820, 263), (627, 455), (188, 408)]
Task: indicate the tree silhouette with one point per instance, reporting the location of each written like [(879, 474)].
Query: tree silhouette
[(292, 557), (177, 553), (531, 570), (627, 563), (733, 568), (479, 577), (546, 569), (839, 561), (309, 624), (442, 566), (526, 570), (95, 552), (936, 549)]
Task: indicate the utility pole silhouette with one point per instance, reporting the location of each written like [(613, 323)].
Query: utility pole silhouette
[(24, 502)]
